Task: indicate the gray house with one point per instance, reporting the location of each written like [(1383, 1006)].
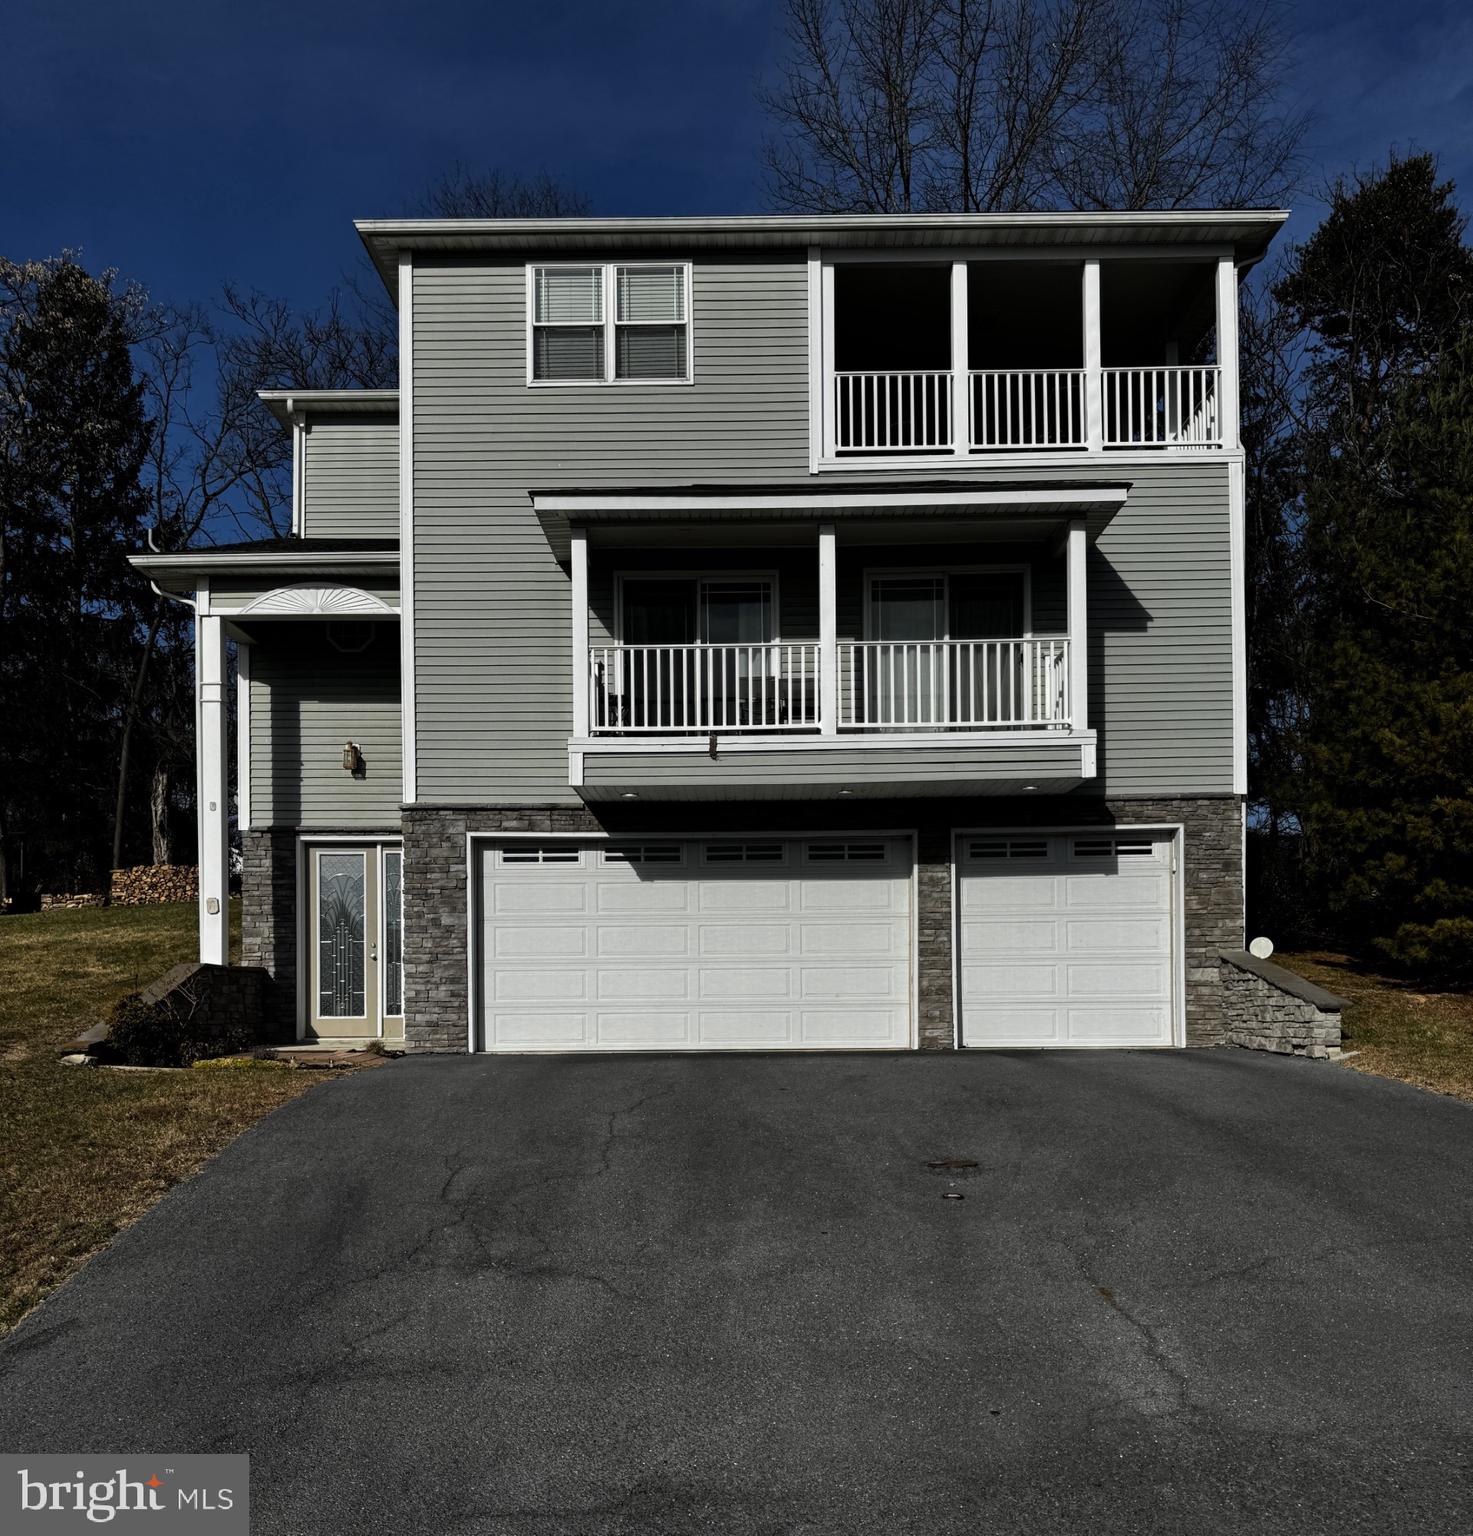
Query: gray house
[(751, 633)]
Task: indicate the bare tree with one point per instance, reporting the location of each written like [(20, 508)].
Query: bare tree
[(465, 194), (973, 106)]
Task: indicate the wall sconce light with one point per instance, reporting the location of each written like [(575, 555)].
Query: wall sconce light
[(352, 759)]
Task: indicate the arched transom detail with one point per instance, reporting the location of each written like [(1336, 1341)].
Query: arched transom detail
[(306, 599)]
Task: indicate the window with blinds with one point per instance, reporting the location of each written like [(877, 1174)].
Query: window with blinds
[(610, 323)]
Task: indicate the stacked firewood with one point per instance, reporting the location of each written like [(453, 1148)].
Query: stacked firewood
[(150, 884)]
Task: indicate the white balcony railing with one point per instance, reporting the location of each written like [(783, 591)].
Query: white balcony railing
[(701, 688), (1028, 408), (892, 412), (1162, 408), (893, 685)]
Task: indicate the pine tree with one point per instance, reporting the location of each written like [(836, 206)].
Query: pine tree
[(1385, 746), (72, 441)]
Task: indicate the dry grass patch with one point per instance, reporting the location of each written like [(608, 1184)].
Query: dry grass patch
[(84, 1152), (1400, 1031)]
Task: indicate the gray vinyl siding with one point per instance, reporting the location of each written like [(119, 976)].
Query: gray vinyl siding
[(922, 770), (493, 702), (350, 479), (492, 623), (306, 700)]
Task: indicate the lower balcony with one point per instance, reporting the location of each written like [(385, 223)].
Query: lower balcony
[(950, 669)]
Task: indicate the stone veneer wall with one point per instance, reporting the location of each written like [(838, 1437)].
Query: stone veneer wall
[(1267, 1008), (268, 921), (436, 912)]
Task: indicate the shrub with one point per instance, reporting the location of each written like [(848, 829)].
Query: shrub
[(176, 1031)]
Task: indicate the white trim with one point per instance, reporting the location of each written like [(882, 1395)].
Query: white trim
[(961, 379), (1175, 832), (955, 465), (1076, 586), (608, 282), (410, 775), (299, 470), (578, 570), (823, 501), (932, 255), (1237, 584), (864, 741), (601, 836), (384, 850), (243, 735), (1094, 388), (816, 374), (212, 808), (262, 560), (828, 631), (828, 330), (309, 600), (1227, 351)]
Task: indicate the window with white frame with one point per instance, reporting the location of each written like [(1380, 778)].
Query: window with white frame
[(610, 323)]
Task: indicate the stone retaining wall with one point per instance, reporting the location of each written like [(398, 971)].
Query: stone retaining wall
[(1267, 1008)]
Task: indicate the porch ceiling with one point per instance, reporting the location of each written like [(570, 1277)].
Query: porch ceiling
[(727, 516)]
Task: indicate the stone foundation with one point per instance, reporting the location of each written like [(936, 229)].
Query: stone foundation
[(1267, 1008), (436, 910), (268, 923)]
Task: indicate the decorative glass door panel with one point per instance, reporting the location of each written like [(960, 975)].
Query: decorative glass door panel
[(355, 942)]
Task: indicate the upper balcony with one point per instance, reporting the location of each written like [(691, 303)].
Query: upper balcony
[(931, 363)]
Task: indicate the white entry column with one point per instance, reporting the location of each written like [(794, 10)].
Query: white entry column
[(212, 787), (1076, 581)]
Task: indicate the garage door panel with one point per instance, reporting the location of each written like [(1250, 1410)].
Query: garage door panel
[(715, 944), (643, 897), (738, 895), (652, 982), (540, 1029), (837, 940), (1111, 935), (746, 984), (1012, 980), (859, 982), (626, 941), (997, 937), (521, 941), (549, 984), (559, 897), (758, 1027), (1133, 1026), (1013, 1025), (1084, 956), (747, 940), (642, 1029)]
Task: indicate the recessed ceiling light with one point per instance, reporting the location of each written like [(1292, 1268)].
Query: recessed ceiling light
[(846, 791), (629, 795), (1030, 786)]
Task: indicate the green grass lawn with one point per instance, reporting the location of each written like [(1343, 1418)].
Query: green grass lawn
[(1399, 1029), (83, 1151)]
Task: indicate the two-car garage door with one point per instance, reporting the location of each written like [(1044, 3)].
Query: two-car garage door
[(697, 944), (772, 943)]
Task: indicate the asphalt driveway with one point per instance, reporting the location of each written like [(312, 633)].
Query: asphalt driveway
[(1204, 1291)]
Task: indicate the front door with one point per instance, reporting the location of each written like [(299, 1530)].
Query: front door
[(356, 970)]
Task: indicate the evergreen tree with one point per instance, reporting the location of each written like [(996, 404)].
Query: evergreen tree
[(72, 441), (1385, 745)]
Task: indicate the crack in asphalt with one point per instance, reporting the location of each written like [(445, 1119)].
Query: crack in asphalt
[(1169, 1375)]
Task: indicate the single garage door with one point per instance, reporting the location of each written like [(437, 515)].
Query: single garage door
[(711, 944), (1066, 940)]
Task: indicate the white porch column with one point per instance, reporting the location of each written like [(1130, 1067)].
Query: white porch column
[(828, 633), (579, 549), (1227, 349), (1076, 550), (212, 786), (961, 379), (1094, 378)]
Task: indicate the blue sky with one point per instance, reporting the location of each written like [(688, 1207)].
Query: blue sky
[(187, 143)]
